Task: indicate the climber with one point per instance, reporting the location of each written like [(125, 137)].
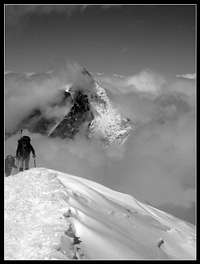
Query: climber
[(24, 149), (9, 164)]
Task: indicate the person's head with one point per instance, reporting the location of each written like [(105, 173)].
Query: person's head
[(24, 141)]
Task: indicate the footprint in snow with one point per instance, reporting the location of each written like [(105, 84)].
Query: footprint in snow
[(80, 198)]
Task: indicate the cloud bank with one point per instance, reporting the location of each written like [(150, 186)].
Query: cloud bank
[(145, 82), (24, 93), (162, 153), (187, 76), (157, 163)]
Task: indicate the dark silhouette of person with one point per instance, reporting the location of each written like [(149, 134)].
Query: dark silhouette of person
[(23, 151)]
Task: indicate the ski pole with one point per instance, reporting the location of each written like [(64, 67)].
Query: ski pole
[(34, 162), (21, 131)]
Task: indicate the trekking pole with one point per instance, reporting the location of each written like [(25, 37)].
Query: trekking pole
[(34, 162), (21, 132)]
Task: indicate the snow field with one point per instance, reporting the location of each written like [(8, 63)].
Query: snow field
[(52, 215)]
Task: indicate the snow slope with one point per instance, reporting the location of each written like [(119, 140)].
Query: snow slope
[(108, 122), (47, 213)]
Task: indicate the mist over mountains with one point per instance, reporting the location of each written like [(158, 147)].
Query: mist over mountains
[(159, 148)]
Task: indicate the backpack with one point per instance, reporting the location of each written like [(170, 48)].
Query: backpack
[(24, 147), (26, 139)]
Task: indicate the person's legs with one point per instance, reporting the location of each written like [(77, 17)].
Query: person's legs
[(8, 170), (27, 162), (13, 163), (20, 164)]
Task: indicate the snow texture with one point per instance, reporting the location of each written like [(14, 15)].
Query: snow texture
[(50, 215), (108, 123)]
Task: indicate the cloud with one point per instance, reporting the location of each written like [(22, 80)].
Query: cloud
[(150, 85), (24, 93), (187, 76), (156, 164), (99, 73), (160, 156), (16, 13), (145, 81), (78, 157), (118, 75)]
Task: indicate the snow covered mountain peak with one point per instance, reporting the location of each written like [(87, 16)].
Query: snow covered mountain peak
[(77, 105), (93, 114), (51, 215)]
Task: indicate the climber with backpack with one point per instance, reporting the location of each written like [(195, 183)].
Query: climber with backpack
[(24, 149)]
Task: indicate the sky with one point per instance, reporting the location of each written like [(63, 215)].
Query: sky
[(119, 39), (144, 56)]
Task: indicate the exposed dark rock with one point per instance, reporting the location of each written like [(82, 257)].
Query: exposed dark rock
[(76, 240), (73, 121), (36, 123)]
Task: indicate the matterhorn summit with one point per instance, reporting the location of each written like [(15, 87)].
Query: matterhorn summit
[(72, 104), (50, 215), (93, 114)]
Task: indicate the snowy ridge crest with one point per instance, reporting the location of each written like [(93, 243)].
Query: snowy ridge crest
[(51, 215)]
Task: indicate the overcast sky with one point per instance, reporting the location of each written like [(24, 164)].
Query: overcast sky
[(112, 39), (145, 57)]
